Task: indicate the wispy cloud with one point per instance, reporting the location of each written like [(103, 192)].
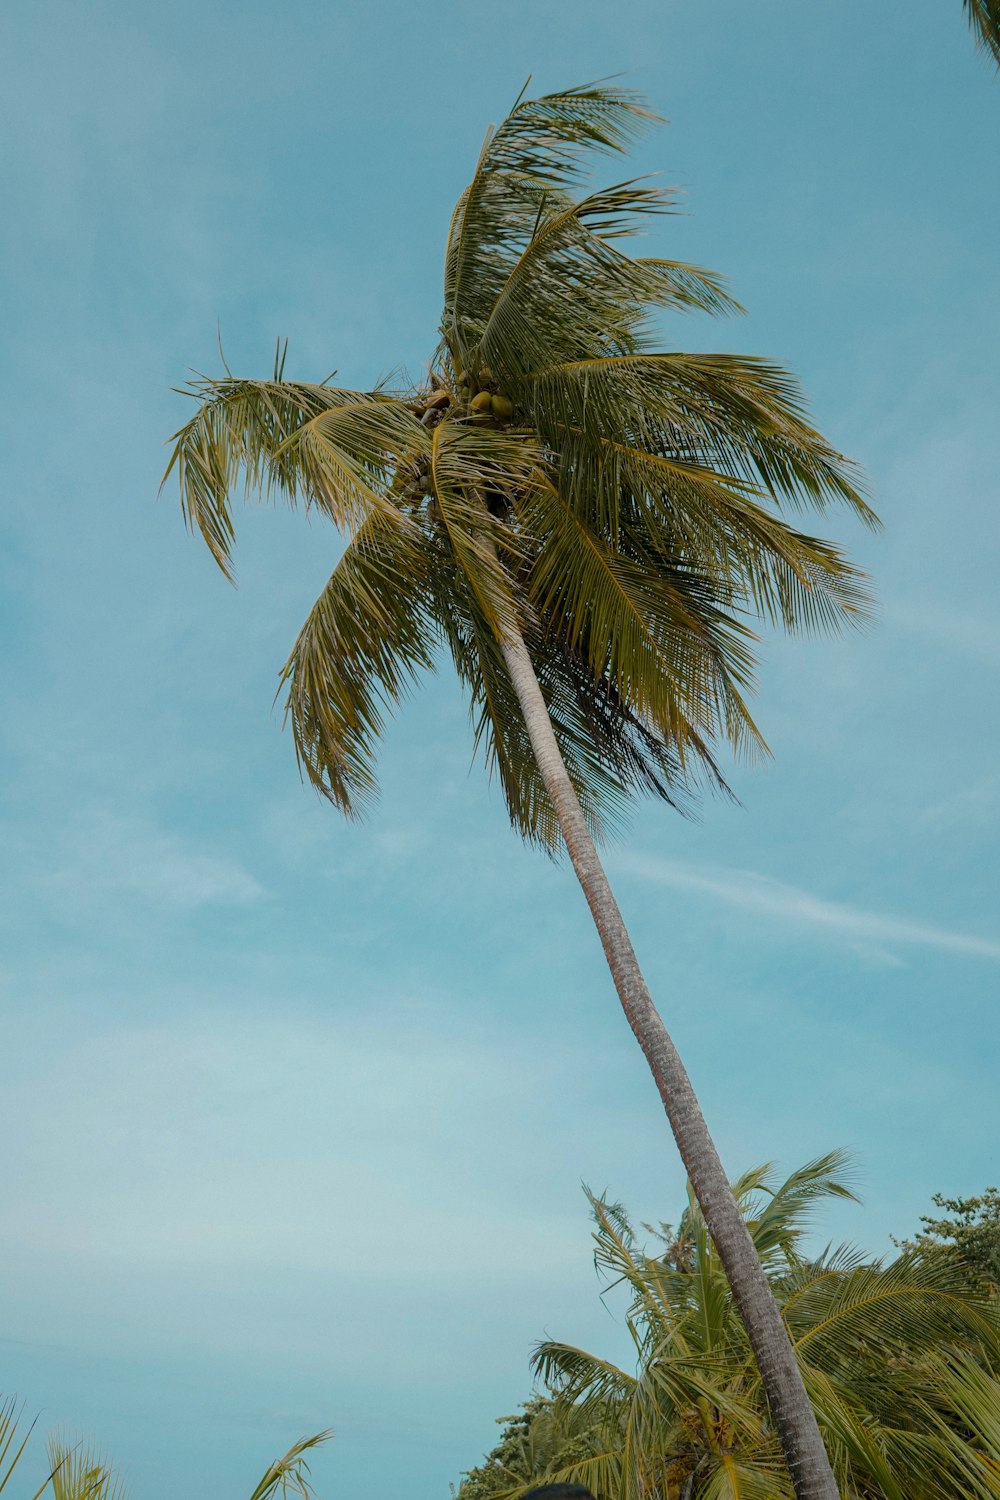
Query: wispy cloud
[(106, 854), (236, 1140), (757, 893)]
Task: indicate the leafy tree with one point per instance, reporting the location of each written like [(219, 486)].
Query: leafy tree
[(970, 1231), (984, 18), (901, 1361), (543, 1438), (585, 523)]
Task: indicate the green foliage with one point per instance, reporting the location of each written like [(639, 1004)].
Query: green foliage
[(984, 18), (901, 1361), (542, 1440), (76, 1471), (290, 1473), (970, 1231), (13, 1442), (622, 507), (79, 1473)]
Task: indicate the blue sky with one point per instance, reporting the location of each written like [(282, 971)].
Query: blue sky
[(297, 1113)]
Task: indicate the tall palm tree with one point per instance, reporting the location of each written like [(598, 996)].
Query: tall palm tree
[(902, 1361), (586, 523), (984, 18)]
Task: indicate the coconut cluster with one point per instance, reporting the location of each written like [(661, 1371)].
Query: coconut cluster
[(478, 396), (484, 398), (433, 404)]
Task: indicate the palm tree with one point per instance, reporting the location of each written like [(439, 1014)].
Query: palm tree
[(902, 1361), (586, 523), (76, 1471), (984, 18)]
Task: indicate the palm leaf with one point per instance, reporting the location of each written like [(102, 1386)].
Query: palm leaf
[(466, 464), (311, 444), (677, 660), (364, 642), (598, 763), (732, 414), (79, 1473), (12, 1450), (915, 1298), (984, 18), (781, 1214), (539, 147), (290, 1473)]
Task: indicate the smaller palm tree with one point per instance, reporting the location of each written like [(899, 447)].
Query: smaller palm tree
[(76, 1471), (901, 1361)]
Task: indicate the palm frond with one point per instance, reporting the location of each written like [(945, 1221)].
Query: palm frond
[(781, 1214), (598, 767), (364, 642), (633, 754), (854, 1440), (732, 414), (676, 659), (465, 466), (310, 444), (79, 1473), (662, 506), (290, 1473), (11, 1450), (915, 1300), (732, 1478), (540, 146), (579, 1377), (569, 289), (984, 19)]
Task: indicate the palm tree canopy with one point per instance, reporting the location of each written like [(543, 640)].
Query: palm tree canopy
[(624, 507), (901, 1360)]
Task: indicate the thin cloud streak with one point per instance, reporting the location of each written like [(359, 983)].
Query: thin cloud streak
[(107, 857), (772, 898)]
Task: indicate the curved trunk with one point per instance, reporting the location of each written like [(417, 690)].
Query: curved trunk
[(790, 1406)]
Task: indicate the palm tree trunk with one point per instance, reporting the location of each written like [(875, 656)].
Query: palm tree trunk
[(790, 1406)]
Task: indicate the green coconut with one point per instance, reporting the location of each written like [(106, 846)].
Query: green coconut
[(502, 407), (482, 403)]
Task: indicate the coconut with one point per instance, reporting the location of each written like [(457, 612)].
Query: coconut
[(502, 407), (482, 403)]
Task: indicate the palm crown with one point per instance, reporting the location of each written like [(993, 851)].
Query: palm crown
[(558, 476), (900, 1360)]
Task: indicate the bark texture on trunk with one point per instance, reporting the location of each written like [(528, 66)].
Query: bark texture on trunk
[(791, 1409)]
